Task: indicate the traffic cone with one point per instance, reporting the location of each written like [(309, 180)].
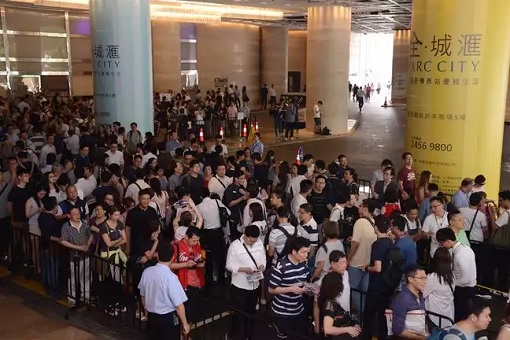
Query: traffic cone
[(385, 102), (201, 135), (298, 157), (256, 126), (222, 133), (244, 131)]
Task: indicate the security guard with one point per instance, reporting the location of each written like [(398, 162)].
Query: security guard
[(163, 297)]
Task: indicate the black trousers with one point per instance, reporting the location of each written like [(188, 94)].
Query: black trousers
[(215, 248), (375, 305), (289, 127), (461, 298), (245, 301), (290, 326), (4, 236), (194, 295), (163, 326)]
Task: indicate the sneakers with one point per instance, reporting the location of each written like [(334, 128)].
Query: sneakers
[(263, 302), (140, 316)]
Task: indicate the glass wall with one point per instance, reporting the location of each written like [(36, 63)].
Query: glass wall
[(189, 74)]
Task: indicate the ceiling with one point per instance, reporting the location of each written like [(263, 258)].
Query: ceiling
[(368, 16)]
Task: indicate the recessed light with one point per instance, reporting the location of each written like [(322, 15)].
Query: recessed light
[(288, 5)]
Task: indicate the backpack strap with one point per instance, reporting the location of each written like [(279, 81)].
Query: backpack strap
[(472, 224), (283, 230)]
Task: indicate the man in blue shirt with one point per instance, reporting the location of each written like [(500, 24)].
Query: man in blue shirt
[(403, 241), (461, 198), (163, 297), (409, 299)]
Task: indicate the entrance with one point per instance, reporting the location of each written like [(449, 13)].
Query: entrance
[(294, 81)]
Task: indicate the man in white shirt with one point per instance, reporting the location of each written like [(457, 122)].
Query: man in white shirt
[(86, 182), (133, 189), (213, 242), (317, 116), (475, 221), (293, 187), (219, 141), (47, 148), (73, 143), (219, 182), (435, 221), (464, 271), (272, 95), (305, 188), (114, 155), (246, 259)]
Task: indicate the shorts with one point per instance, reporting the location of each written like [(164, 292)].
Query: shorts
[(317, 121)]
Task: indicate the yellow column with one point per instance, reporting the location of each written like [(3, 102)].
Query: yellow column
[(327, 74), (401, 39), (274, 57), (166, 55), (458, 73)]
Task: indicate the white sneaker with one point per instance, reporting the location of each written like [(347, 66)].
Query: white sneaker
[(263, 302)]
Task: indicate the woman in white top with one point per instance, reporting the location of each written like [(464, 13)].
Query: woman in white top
[(439, 288), (185, 221), (257, 218), (160, 200), (33, 208), (51, 187)]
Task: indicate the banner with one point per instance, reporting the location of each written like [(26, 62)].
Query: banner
[(458, 71), (122, 62)]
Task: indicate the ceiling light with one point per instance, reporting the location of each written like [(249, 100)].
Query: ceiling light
[(186, 17), (78, 4)]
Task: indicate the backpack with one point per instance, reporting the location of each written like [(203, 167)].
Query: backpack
[(442, 333), (393, 267), (286, 248), (345, 226)]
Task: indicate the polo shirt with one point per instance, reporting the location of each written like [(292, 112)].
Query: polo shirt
[(403, 303), (287, 274)]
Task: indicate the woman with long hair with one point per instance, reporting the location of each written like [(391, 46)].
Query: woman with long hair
[(257, 218), (33, 208), (208, 174), (49, 182), (95, 226), (439, 288), (283, 175), (423, 183), (350, 182), (336, 323), (160, 199)]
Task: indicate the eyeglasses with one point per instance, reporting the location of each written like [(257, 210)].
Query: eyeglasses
[(436, 206), (421, 278)]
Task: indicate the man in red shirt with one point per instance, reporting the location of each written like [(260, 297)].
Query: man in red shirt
[(406, 174), (188, 264)]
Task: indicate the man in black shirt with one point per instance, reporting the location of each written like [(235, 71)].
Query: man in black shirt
[(318, 198), (194, 182), (235, 197), (17, 199)]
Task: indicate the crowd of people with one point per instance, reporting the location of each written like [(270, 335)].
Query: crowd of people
[(181, 216)]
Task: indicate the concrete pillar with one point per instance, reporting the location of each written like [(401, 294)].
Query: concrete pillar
[(297, 55), (329, 30), (274, 58), (455, 114), (401, 41), (507, 113), (229, 50), (122, 62), (166, 55)]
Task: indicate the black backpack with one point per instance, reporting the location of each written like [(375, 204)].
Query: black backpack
[(286, 248), (393, 267), (346, 227)]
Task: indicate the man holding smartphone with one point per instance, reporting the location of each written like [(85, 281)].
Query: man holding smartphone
[(188, 264)]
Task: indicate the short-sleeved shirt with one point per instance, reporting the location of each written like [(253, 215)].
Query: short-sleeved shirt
[(287, 274), (161, 290), (504, 218), (277, 238), (319, 203), (364, 234), (407, 250), (137, 220), (407, 177), (310, 231), (76, 236), (5, 188), (114, 234), (431, 225), (324, 251), (379, 253), (479, 224), (18, 197)]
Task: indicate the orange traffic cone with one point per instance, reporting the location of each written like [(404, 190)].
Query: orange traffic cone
[(298, 158), (256, 126), (201, 135), (244, 131), (222, 133)]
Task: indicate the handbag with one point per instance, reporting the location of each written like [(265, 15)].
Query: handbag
[(415, 321), (224, 219)]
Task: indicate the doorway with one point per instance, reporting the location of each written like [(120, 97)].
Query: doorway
[(294, 81)]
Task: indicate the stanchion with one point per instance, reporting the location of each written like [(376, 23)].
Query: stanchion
[(201, 135), (244, 131), (256, 126), (385, 102), (222, 133)]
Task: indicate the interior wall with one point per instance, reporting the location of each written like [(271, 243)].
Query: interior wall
[(229, 50), (297, 54)]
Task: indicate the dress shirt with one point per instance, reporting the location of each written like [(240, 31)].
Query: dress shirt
[(215, 187), (238, 257), (247, 219), (116, 157), (296, 202), (438, 297), (431, 225), (460, 199), (209, 210), (45, 150), (87, 185), (161, 290), (464, 265)]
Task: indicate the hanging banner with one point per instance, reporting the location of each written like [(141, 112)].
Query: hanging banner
[(458, 71)]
